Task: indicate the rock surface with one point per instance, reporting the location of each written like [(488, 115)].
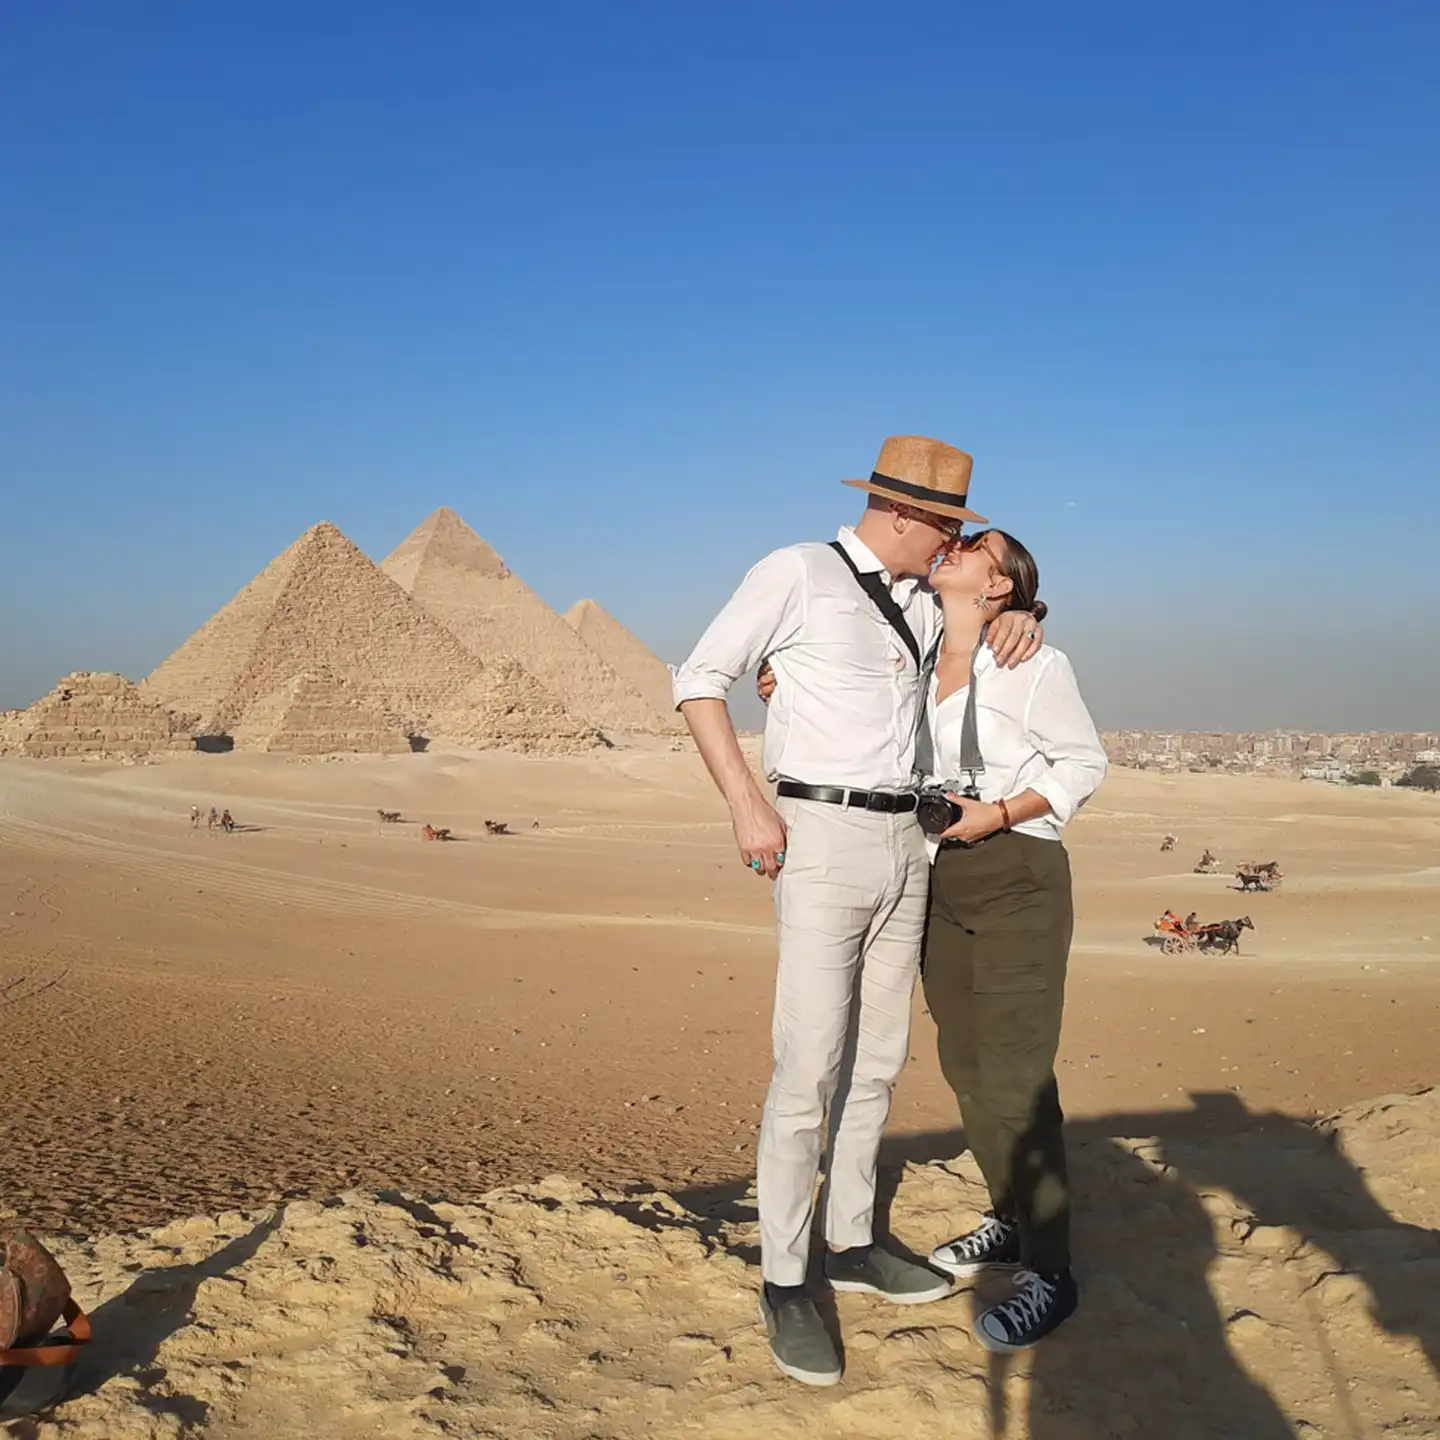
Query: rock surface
[(94, 714), (465, 585), (1286, 1301)]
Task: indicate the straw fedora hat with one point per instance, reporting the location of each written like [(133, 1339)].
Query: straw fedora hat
[(927, 474)]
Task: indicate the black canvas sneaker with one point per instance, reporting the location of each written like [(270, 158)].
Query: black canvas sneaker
[(1041, 1305), (993, 1242)]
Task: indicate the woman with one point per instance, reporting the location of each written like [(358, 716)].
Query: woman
[(998, 934)]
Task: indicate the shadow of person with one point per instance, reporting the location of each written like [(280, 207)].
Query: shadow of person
[(1292, 1174), (1147, 1354), (130, 1328), (1174, 1277)]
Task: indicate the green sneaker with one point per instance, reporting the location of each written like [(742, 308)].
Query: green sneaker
[(799, 1341), (878, 1272)]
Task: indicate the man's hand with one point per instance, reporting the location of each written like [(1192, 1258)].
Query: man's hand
[(765, 681), (978, 819), (1014, 637), (760, 834)]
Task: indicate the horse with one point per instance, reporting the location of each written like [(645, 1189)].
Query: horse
[(496, 827), (431, 832), (1226, 934), (388, 817)]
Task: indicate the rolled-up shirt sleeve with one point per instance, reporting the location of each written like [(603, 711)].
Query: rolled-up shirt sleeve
[(1060, 725), (763, 615)]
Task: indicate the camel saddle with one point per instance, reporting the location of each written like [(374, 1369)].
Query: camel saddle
[(34, 1295)]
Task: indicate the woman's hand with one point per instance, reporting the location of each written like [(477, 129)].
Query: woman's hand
[(977, 820), (765, 682), (1014, 637)]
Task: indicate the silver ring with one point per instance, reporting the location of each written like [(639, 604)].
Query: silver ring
[(1029, 634)]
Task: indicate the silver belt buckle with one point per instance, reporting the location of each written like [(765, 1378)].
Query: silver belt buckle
[(845, 803)]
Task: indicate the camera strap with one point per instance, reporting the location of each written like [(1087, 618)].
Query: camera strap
[(972, 762)]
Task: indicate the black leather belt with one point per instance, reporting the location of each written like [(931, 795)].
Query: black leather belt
[(882, 800)]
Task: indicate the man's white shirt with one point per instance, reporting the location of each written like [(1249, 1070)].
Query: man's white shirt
[(1035, 733), (847, 691)]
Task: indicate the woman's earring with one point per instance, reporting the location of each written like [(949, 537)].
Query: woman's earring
[(982, 602)]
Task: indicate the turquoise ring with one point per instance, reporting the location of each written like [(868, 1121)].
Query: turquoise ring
[(779, 857), (755, 863)]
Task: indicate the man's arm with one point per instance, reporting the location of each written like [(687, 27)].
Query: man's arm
[(759, 831), (765, 613)]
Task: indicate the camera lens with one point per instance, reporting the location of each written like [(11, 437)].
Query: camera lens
[(936, 813)]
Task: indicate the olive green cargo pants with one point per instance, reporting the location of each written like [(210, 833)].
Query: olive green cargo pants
[(996, 945)]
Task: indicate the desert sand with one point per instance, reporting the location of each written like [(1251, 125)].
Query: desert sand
[(337, 1041)]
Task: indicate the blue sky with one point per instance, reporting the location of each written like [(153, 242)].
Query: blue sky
[(632, 287)]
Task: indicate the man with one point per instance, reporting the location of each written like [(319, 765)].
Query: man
[(848, 630)]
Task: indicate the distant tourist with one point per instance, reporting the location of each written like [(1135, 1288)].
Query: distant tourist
[(850, 629), (214, 820), (227, 822), (194, 817)]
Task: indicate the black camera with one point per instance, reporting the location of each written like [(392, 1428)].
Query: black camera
[(936, 811)]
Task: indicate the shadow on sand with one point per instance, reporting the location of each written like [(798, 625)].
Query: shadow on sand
[(131, 1327), (1153, 1324)]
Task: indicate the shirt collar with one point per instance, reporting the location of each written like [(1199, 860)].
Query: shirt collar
[(867, 562)]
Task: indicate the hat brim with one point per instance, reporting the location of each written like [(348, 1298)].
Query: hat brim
[(938, 507)]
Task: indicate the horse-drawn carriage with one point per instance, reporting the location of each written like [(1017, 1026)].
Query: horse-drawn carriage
[(1259, 877), (1208, 863), (1177, 935), (434, 832)]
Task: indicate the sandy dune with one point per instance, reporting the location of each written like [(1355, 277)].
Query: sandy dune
[(321, 1004)]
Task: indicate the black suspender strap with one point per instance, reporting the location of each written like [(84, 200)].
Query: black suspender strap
[(876, 589)]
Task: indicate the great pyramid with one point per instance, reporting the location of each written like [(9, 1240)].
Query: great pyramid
[(319, 713), (96, 714), (642, 670), (465, 585), (324, 608)]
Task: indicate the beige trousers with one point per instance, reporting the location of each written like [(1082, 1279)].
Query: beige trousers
[(850, 911)]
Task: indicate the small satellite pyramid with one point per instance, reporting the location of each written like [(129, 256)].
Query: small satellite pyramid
[(638, 666), (455, 576), (323, 609)]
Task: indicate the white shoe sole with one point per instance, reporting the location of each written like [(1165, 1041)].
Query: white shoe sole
[(971, 1268), (920, 1297), (818, 1378)]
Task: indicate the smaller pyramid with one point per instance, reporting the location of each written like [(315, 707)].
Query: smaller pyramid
[(320, 713), (457, 578), (635, 662), (99, 714)]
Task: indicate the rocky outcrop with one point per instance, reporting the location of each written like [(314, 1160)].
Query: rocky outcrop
[(95, 714), (324, 608), (465, 585)]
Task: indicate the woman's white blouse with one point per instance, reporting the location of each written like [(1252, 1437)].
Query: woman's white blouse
[(1034, 731)]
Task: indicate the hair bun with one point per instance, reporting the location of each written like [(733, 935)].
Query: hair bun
[(1040, 610)]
